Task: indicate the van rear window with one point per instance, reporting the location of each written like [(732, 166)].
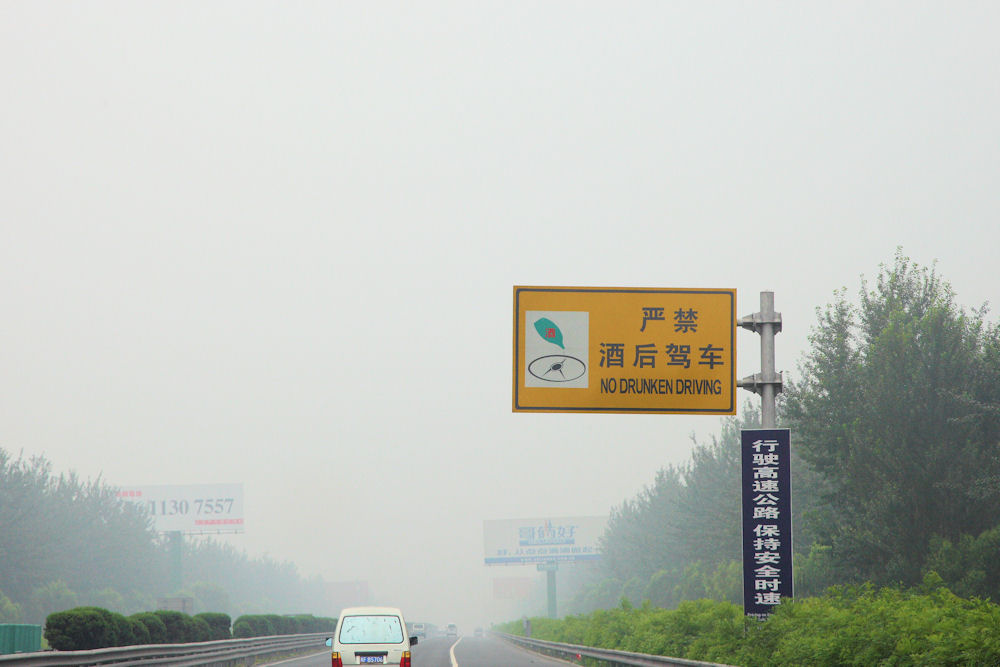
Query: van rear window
[(371, 630)]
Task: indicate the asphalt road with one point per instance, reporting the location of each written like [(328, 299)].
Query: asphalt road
[(449, 652)]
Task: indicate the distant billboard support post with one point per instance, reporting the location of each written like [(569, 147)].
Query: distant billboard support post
[(187, 509), (176, 541), (544, 542), (550, 570)]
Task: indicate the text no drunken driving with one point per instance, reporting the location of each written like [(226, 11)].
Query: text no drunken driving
[(660, 386)]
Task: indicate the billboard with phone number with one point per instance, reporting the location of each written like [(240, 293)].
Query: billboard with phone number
[(190, 508)]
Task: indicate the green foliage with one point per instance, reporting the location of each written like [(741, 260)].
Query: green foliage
[(10, 611), (242, 628), (82, 628), (209, 597), (107, 598), (667, 588), (93, 627), (218, 624), (140, 635), (681, 536), (816, 571), (927, 625), (183, 629), (700, 580), (662, 587), (266, 625), (156, 629), (66, 542), (969, 565), (897, 410), (49, 597), (307, 623), (849, 625), (256, 625)]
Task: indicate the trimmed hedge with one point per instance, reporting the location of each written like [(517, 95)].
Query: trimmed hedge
[(266, 625), (156, 629), (86, 628), (218, 625), (83, 628), (183, 629)]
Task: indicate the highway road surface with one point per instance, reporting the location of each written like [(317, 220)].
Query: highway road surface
[(450, 652)]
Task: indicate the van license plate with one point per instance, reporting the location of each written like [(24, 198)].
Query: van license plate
[(372, 659)]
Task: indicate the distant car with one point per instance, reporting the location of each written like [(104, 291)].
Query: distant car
[(478, 632), (371, 636), (419, 630), (452, 630)]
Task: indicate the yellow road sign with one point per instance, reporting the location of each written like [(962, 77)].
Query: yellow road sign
[(617, 349)]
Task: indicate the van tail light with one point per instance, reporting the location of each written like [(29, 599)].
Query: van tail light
[(335, 660), (405, 660)]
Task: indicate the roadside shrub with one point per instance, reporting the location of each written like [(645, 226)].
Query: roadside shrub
[(284, 625), (308, 623), (124, 632), (140, 633), (265, 625), (183, 629), (855, 625), (80, 629), (156, 629), (254, 625), (174, 621), (242, 629), (218, 625), (198, 630)]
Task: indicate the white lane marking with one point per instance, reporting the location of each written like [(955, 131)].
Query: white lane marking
[(454, 662)]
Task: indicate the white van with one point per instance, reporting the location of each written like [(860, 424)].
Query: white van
[(371, 636)]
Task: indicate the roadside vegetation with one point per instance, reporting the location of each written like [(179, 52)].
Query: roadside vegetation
[(66, 542), (848, 625), (895, 430), (85, 628)]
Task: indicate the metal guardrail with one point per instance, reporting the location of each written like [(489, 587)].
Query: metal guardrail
[(613, 658), (224, 653)]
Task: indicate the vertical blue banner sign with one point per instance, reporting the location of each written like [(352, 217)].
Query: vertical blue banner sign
[(767, 520)]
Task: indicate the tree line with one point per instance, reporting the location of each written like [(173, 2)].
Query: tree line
[(67, 542), (895, 431)]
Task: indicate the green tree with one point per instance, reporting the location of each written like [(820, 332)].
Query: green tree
[(897, 409), (636, 541), (51, 597), (10, 611)]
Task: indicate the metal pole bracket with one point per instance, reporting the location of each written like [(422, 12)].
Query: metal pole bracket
[(756, 383), (757, 321)]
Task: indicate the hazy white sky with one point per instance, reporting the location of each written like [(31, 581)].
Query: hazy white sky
[(274, 243)]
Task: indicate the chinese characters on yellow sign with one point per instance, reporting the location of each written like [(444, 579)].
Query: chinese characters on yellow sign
[(593, 349)]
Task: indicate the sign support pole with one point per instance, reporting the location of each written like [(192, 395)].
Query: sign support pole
[(767, 383), (551, 586), (176, 542), (550, 569)]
